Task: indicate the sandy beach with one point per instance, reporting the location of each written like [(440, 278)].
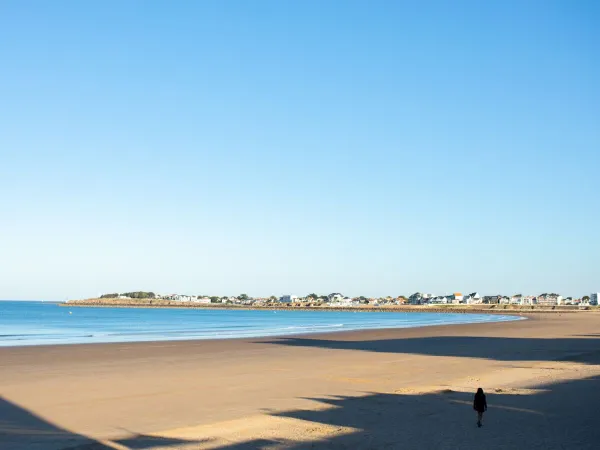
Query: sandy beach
[(378, 389)]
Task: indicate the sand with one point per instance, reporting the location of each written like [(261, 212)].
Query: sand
[(376, 389)]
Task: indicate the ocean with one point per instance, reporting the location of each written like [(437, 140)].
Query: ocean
[(43, 323)]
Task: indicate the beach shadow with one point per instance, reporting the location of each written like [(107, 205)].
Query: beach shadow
[(252, 445), (502, 349), (145, 442), (557, 417), (21, 429)]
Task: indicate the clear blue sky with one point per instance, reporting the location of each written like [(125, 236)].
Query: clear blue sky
[(269, 147)]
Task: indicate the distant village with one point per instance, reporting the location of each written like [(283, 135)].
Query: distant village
[(340, 300)]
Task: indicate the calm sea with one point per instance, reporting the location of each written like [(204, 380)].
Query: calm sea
[(40, 323)]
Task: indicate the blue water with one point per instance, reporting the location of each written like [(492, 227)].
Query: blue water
[(40, 323)]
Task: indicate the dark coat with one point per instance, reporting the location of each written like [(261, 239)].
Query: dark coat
[(480, 403)]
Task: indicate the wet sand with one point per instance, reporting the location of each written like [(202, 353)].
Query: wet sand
[(404, 388)]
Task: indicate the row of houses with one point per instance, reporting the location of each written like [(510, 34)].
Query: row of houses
[(185, 298), (546, 299), (474, 298), (340, 300), (456, 298), (334, 299)]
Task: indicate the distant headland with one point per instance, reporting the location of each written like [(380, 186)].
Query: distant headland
[(416, 302)]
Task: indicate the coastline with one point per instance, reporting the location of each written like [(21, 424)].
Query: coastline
[(353, 389), (465, 309)]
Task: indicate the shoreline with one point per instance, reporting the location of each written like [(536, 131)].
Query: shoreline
[(258, 338), (357, 334), (351, 324)]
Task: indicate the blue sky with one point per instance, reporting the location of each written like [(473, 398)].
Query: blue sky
[(267, 147)]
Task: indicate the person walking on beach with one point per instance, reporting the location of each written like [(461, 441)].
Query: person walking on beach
[(479, 405)]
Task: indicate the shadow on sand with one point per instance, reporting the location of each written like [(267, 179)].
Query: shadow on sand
[(21, 429), (558, 417), (579, 350)]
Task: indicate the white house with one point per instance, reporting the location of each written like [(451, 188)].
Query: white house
[(344, 301), (528, 300), (473, 298), (203, 300)]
